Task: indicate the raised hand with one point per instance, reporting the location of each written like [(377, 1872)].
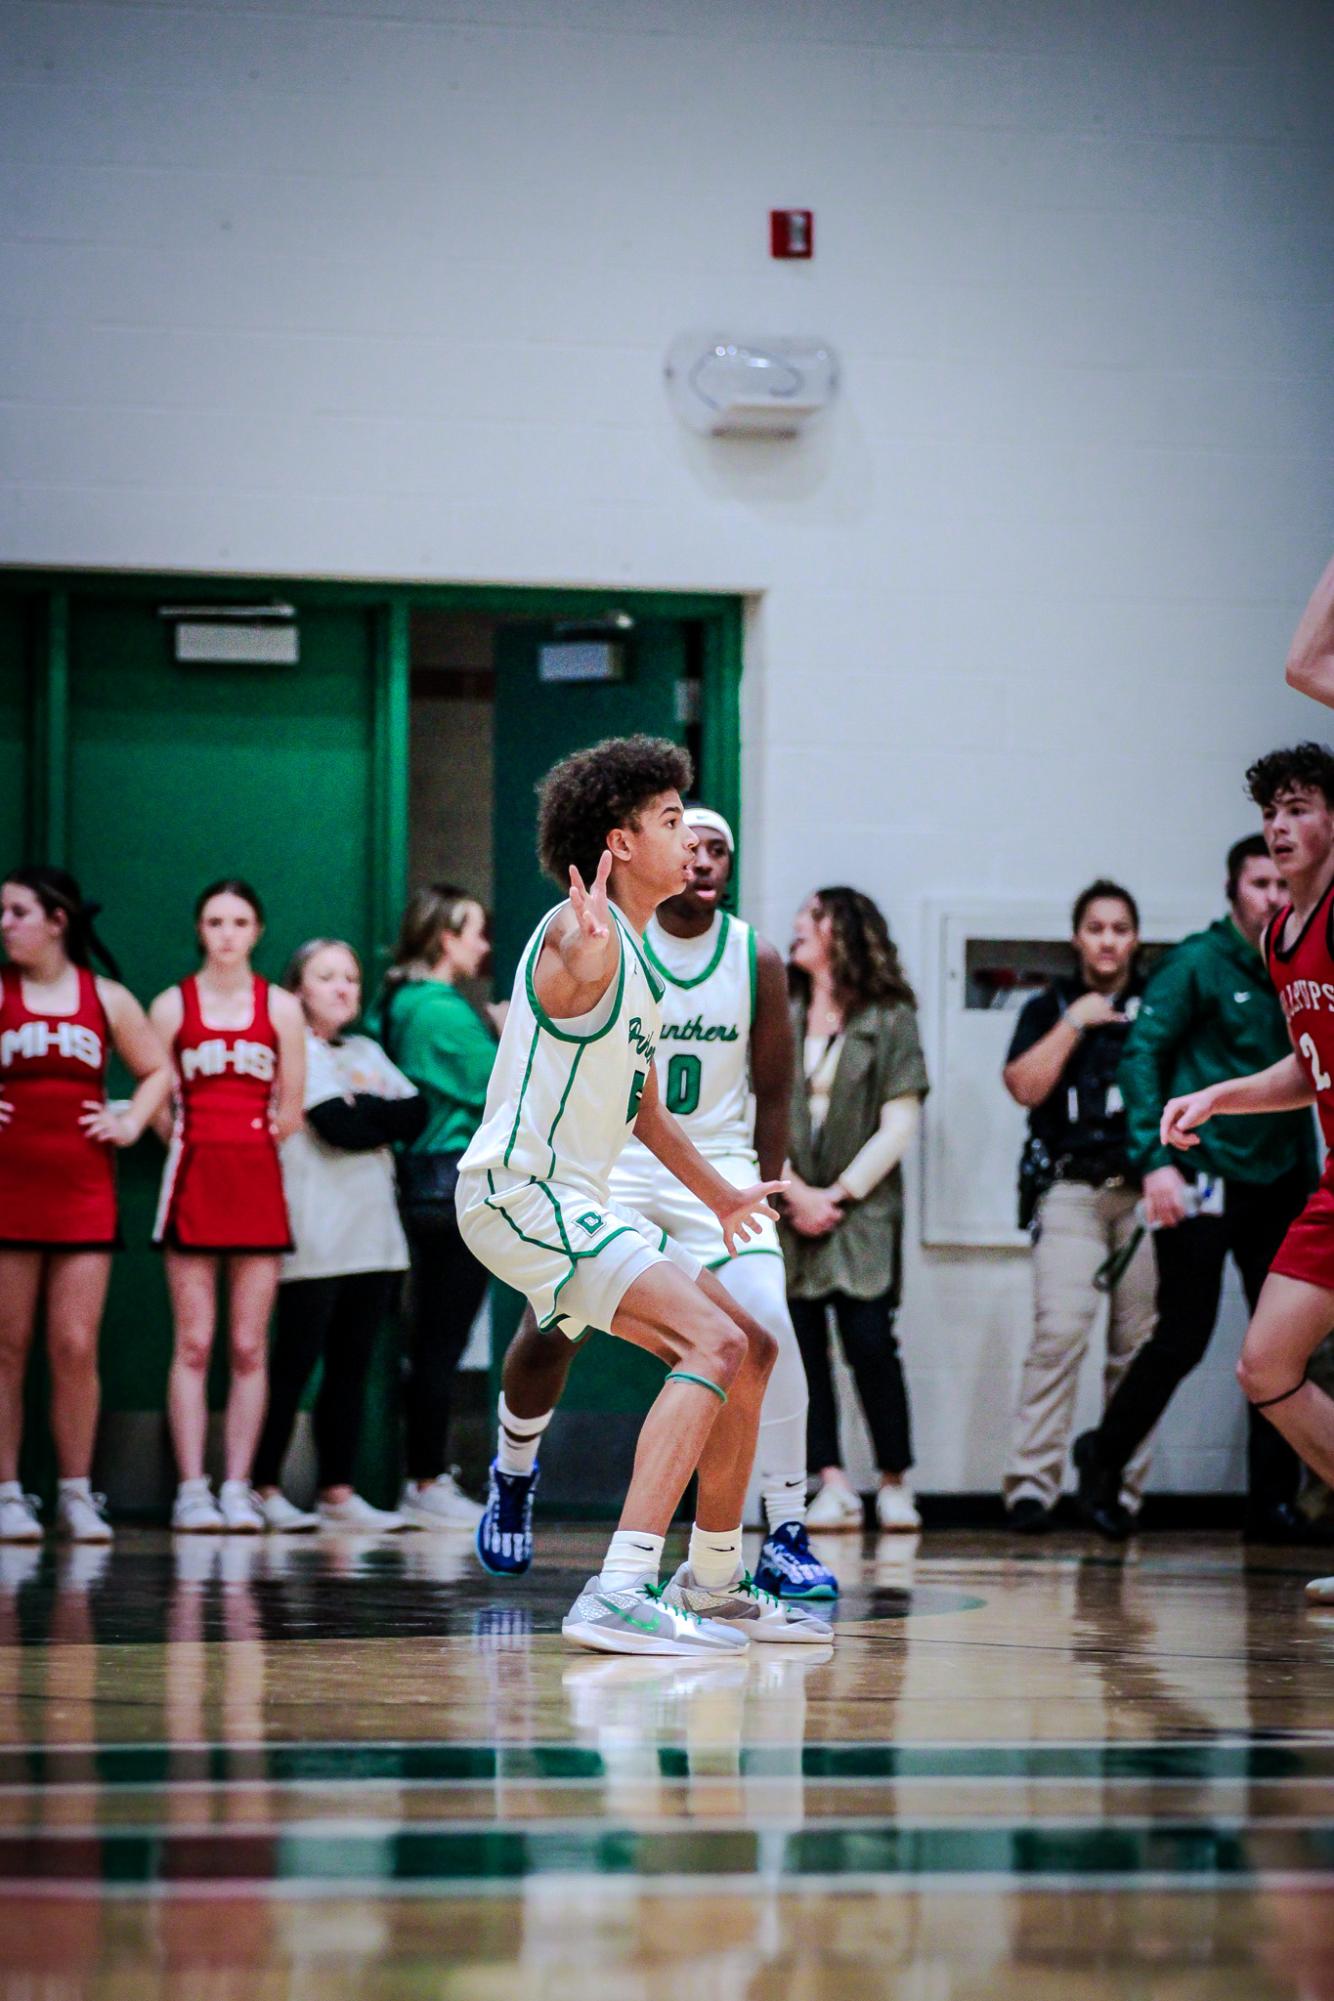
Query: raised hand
[(590, 906), (740, 1217)]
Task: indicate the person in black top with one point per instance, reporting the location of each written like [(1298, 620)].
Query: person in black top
[(1062, 1066)]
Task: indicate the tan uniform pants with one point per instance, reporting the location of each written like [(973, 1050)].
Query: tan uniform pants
[(1081, 1226)]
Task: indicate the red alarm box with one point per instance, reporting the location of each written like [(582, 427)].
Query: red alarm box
[(791, 232)]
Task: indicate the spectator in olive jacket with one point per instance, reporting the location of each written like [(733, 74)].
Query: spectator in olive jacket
[(1209, 1012), (855, 1105)]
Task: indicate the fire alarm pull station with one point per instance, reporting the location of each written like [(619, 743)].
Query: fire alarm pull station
[(791, 232)]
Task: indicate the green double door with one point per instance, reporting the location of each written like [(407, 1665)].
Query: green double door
[(587, 1453)]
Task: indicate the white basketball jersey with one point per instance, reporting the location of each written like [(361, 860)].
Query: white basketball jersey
[(564, 1094), (704, 1042)]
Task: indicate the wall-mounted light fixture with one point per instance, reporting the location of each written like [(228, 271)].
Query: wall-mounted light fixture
[(724, 385)]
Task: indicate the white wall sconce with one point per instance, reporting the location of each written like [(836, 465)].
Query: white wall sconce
[(724, 385)]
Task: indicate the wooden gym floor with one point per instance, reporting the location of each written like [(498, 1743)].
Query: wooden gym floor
[(359, 1768)]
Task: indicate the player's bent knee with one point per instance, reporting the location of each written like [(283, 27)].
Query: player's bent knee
[(762, 1349), (720, 1352), (1266, 1377)]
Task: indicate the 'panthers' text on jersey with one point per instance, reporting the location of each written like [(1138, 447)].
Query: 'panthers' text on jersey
[(703, 1057)]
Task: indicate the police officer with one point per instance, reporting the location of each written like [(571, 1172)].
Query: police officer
[(1062, 1066)]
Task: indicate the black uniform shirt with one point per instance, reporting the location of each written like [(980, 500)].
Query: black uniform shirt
[(1082, 1121)]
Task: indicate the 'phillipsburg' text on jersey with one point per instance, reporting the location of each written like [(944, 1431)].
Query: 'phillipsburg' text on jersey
[(1303, 975)]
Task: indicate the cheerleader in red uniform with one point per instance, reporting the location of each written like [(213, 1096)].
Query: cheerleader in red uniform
[(238, 1045), (58, 1023)]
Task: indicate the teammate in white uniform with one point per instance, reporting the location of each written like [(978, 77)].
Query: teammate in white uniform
[(726, 1033), (573, 1075)]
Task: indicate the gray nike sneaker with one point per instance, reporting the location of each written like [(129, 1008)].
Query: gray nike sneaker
[(747, 1607), (640, 1619)]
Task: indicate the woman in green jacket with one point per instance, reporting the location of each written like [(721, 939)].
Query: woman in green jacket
[(441, 1043), (856, 1101)]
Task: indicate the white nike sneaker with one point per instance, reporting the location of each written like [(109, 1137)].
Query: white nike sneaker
[(748, 1609), (439, 1504), (640, 1619), (1320, 1591), (19, 1519), (358, 1514), (835, 1507), (896, 1511), (282, 1516), (239, 1509), (194, 1511), (82, 1517)]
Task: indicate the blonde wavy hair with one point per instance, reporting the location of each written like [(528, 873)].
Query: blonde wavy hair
[(437, 907)]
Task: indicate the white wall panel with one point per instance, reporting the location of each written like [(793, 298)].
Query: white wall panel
[(382, 287)]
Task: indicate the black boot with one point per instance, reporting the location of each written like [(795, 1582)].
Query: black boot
[(1098, 1495)]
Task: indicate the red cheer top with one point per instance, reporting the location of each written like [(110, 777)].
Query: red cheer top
[(222, 1190), (57, 1186)]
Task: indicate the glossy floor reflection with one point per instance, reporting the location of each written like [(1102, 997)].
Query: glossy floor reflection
[(360, 1767)]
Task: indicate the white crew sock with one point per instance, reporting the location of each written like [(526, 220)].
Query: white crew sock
[(519, 1439), (189, 1488), (77, 1486), (11, 1490), (784, 1497), (630, 1554), (715, 1556)]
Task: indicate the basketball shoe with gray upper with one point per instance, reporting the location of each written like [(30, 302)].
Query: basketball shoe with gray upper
[(745, 1607), (640, 1619)]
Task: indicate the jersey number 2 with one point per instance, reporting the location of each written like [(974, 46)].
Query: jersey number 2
[(683, 1078), (1321, 1078)]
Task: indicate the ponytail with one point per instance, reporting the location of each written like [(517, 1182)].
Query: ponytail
[(57, 890)]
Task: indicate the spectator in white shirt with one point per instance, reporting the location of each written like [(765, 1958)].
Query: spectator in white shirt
[(338, 1176)]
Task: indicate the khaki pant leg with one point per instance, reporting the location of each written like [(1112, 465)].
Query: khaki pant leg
[(1072, 1244), (1132, 1314)]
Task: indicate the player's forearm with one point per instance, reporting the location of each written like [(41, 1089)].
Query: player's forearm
[(663, 1136), (1310, 667), (1283, 1087), (771, 1136)]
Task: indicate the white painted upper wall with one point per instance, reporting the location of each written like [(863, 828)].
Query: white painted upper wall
[(382, 287)]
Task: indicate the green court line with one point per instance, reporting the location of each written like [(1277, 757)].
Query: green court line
[(443, 1764), (483, 1855)]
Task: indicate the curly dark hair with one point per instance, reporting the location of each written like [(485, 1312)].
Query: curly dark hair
[(1306, 764), (864, 959), (583, 797)]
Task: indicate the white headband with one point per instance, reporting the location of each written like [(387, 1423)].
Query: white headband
[(704, 816)]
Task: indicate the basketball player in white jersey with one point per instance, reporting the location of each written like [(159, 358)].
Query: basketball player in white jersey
[(726, 1032), (573, 1075)]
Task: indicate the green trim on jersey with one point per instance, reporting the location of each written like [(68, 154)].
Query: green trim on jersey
[(544, 1019), (753, 967), (709, 970), (655, 986), (560, 1109), (528, 1071), (754, 1251)]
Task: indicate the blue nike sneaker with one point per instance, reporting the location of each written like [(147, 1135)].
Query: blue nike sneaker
[(505, 1532), (789, 1570)]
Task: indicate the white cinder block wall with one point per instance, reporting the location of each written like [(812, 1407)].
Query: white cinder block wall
[(381, 287)]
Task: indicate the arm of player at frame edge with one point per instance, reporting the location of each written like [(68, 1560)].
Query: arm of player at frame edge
[(1283, 1087), (737, 1209), (1310, 667)]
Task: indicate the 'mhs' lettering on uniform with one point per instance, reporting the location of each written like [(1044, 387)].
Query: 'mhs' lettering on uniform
[(34, 1040), (216, 1058)]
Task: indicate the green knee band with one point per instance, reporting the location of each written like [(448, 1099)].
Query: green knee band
[(684, 1376)]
